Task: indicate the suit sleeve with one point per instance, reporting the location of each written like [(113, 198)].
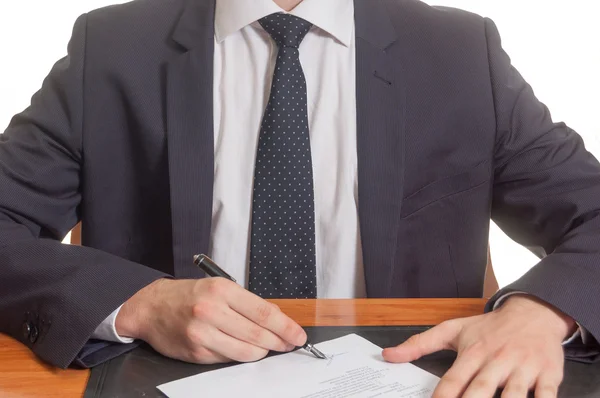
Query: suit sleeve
[(546, 197), (53, 296)]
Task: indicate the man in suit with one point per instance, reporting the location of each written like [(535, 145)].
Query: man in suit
[(344, 149)]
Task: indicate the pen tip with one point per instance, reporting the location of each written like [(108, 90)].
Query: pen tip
[(319, 354), (316, 352), (196, 257)]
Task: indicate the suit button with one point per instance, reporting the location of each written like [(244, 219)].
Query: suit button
[(30, 332), (33, 335), (26, 330)]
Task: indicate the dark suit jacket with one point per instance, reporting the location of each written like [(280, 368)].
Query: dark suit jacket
[(121, 137)]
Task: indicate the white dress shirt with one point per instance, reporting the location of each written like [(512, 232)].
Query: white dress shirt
[(244, 61), (245, 56)]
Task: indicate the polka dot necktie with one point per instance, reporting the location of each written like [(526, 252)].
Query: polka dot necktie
[(282, 251)]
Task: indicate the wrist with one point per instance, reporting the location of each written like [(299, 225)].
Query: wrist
[(561, 324), (134, 317)]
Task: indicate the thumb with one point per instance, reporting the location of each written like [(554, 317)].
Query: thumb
[(441, 337)]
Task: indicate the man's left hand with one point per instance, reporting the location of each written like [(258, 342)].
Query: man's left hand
[(517, 347)]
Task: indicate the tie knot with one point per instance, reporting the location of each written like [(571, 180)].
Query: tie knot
[(287, 30)]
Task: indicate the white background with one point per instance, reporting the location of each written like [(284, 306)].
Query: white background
[(554, 43)]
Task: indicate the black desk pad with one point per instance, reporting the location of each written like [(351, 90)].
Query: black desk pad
[(137, 373)]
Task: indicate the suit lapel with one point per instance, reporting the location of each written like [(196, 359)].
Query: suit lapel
[(190, 135), (380, 142)]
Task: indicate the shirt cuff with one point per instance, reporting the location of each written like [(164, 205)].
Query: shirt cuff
[(107, 331), (580, 332)]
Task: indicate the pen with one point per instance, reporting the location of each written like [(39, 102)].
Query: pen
[(211, 269)]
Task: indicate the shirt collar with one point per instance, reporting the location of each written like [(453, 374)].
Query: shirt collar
[(335, 17)]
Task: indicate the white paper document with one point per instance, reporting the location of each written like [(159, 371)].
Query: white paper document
[(354, 368)]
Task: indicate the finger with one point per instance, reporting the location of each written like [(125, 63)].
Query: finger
[(523, 378), (519, 383), (465, 367), (438, 338), (494, 374), (547, 384), (237, 326), (206, 336), (267, 316)]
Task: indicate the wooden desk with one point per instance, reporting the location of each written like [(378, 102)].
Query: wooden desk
[(22, 375)]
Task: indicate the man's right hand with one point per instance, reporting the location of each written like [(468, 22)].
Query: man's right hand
[(205, 321)]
